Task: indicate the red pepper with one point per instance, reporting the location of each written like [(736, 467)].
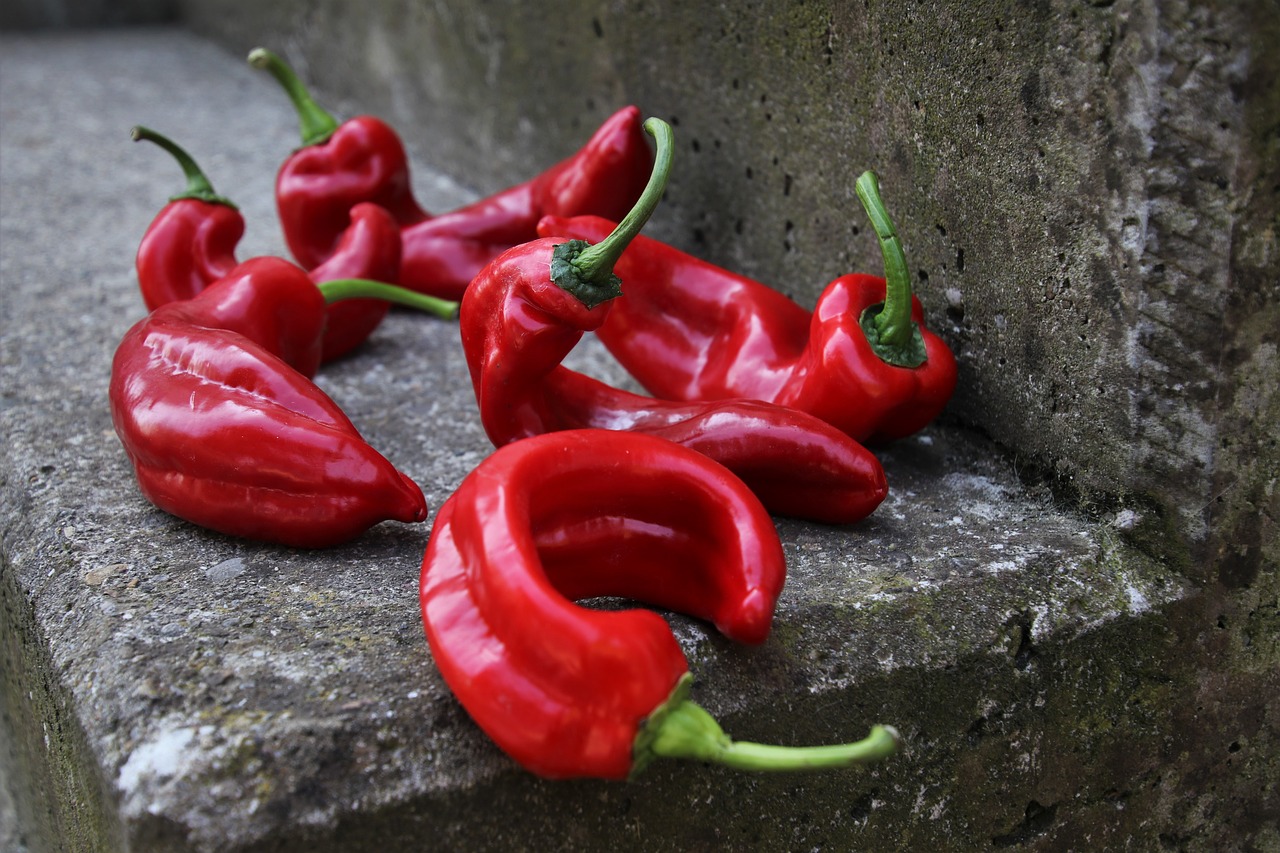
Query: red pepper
[(526, 311), (211, 400), (191, 244), (862, 361), (443, 254), (342, 164), (192, 240), (571, 692), (368, 249), (338, 166)]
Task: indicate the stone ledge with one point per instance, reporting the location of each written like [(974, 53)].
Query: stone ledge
[(171, 689)]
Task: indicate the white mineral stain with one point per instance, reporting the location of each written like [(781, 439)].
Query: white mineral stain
[(1137, 600), (158, 758)]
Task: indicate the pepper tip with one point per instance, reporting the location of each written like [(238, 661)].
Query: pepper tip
[(751, 619)]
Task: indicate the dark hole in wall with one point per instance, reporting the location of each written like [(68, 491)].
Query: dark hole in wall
[(1025, 655), (1036, 822)]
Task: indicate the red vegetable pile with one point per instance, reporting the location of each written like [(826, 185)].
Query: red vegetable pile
[(758, 406)]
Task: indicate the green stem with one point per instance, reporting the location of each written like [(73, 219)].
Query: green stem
[(315, 123), (363, 288), (893, 333), (585, 270), (198, 184), (682, 729)]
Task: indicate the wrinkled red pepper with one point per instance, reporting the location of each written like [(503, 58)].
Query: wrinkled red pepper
[(862, 361), (526, 311), (191, 243), (211, 399), (338, 166), (341, 164), (571, 692)]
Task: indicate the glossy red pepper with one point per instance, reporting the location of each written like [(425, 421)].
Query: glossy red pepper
[(443, 253), (368, 249), (525, 312), (571, 692), (188, 247), (338, 166), (192, 240), (862, 361), (211, 399)]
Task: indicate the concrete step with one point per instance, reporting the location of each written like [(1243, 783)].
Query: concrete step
[(170, 689)]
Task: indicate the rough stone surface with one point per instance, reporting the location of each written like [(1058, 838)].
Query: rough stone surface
[(1086, 191), (168, 689)]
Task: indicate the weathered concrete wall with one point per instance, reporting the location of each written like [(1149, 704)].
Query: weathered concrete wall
[(1085, 190)]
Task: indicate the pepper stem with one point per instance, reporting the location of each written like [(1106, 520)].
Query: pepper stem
[(315, 123), (198, 184), (893, 334), (682, 729), (586, 270), (364, 288)]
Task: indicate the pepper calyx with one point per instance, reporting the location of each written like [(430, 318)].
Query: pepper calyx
[(592, 264), (910, 354), (568, 276), (642, 751)]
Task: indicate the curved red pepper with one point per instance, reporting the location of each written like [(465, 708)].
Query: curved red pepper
[(211, 400), (678, 562), (341, 164), (517, 324), (572, 692), (797, 465), (688, 330), (191, 244)]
